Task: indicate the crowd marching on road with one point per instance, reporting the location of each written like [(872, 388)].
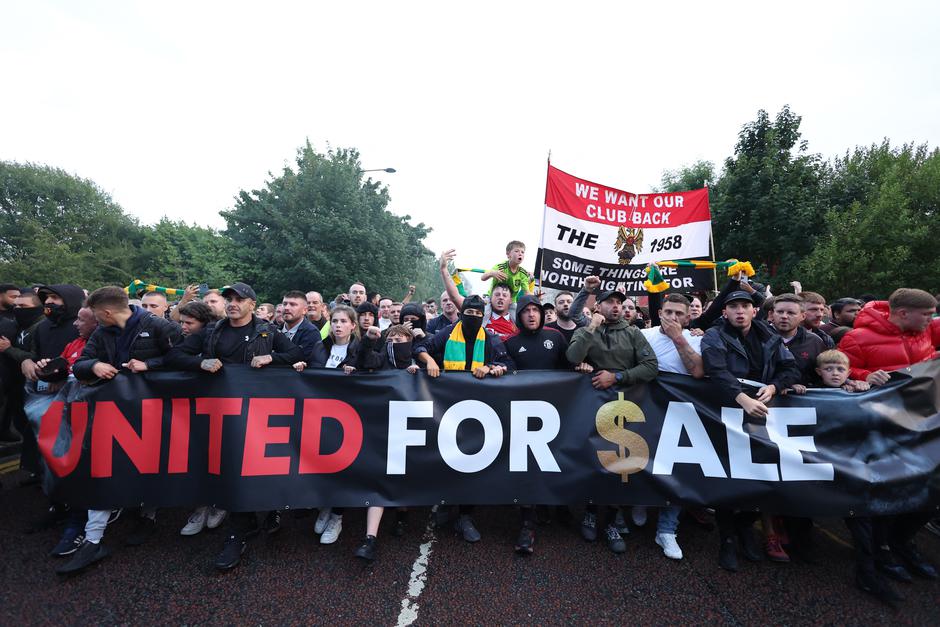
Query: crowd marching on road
[(788, 343)]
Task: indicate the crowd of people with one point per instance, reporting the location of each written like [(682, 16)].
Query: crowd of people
[(789, 343)]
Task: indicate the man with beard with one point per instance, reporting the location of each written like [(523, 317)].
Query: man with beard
[(535, 347), (565, 304), (130, 338), (466, 346), (214, 299), (449, 315), (240, 338), (813, 316), (8, 294), (301, 331), (744, 348), (620, 356)]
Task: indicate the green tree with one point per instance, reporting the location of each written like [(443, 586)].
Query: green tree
[(883, 221), (695, 176), (768, 206), (175, 254), (56, 227), (321, 226)]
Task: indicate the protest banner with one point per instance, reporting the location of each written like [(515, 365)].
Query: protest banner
[(590, 228), (250, 440)]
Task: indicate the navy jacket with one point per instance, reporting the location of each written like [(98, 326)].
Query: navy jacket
[(307, 337)]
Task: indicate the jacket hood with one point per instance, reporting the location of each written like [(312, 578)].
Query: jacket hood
[(874, 316), (72, 295), (525, 301)]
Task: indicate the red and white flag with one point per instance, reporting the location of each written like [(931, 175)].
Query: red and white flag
[(594, 229)]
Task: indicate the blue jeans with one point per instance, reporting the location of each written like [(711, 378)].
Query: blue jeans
[(668, 519)]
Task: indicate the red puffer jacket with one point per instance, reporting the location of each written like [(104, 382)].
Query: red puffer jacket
[(878, 344)]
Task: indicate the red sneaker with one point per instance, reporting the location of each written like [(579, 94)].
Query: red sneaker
[(774, 550)]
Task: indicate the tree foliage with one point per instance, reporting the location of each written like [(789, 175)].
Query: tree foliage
[(320, 224), (768, 207)]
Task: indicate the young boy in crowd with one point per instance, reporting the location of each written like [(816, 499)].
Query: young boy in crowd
[(511, 272), (832, 366)]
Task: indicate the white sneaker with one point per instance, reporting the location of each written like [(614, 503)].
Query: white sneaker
[(638, 514), (196, 523), (333, 529), (322, 518), (669, 545), (216, 516)]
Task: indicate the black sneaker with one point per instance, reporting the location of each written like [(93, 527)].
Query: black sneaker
[(86, 555), (401, 524), (889, 565), (465, 527), (525, 543), (868, 580), (562, 515), (144, 528), (231, 553), (915, 561), (749, 545), (589, 527), (272, 523), (728, 554), (71, 541), (366, 550), (614, 540)]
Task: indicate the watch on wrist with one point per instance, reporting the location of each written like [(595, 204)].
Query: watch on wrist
[(618, 376)]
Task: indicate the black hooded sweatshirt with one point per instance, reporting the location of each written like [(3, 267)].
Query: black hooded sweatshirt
[(541, 349), (58, 329)]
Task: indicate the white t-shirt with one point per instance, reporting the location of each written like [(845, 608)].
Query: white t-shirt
[(665, 348), (337, 355)]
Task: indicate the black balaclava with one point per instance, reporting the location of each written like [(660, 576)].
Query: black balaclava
[(399, 354), (26, 316), (471, 324), (413, 309)]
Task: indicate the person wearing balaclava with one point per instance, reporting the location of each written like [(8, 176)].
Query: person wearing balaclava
[(28, 313), (466, 346)]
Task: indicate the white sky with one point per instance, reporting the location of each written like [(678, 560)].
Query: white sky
[(173, 107)]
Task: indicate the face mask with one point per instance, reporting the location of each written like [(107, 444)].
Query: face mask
[(471, 326), (55, 312), (400, 353), (25, 316)]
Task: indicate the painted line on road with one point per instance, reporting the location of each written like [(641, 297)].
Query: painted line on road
[(419, 574), (11, 466), (834, 537)]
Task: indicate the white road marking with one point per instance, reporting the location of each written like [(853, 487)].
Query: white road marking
[(419, 574)]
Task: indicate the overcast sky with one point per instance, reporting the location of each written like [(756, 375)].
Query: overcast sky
[(173, 107)]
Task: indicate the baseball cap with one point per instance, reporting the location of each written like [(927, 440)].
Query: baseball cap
[(738, 295), (610, 294), (243, 290)]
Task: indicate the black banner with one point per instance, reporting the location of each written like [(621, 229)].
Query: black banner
[(561, 271), (267, 439)]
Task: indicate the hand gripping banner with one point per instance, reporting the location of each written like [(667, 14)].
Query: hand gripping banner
[(254, 440), (590, 228)]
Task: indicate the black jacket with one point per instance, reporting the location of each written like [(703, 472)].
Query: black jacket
[(541, 349), (153, 338), (51, 338), (726, 359), (307, 337), (352, 353), (805, 348), (22, 339), (264, 339), (709, 316)]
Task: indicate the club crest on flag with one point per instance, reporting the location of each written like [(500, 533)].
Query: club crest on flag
[(629, 243)]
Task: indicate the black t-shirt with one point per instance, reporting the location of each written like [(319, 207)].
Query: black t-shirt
[(568, 333), (232, 342), (755, 354)]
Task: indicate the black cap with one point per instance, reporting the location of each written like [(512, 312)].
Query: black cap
[(473, 302), (739, 295), (610, 294), (368, 307), (547, 306), (243, 290)]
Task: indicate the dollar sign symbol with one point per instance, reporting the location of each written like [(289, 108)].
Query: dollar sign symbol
[(611, 420)]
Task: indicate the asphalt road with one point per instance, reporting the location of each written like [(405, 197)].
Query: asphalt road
[(430, 577)]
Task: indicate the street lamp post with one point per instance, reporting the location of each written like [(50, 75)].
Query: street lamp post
[(389, 170)]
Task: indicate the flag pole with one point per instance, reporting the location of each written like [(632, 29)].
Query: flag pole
[(711, 239), (542, 236)]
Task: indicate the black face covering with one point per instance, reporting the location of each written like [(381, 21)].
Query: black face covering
[(471, 326), (400, 353), (54, 312), (25, 316)]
